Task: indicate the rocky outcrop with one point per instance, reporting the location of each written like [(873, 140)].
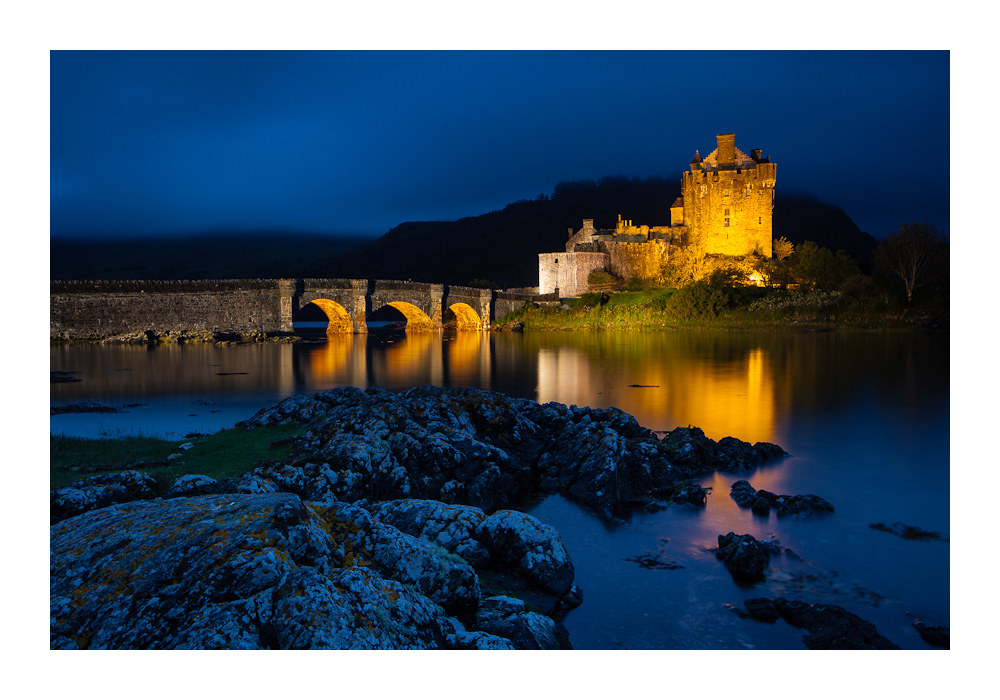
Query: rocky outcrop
[(269, 571), (744, 557), (388, 527), (763, 502), (829, 626), (485, 449)]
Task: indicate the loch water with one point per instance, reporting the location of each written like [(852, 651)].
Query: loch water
[(863, 416)]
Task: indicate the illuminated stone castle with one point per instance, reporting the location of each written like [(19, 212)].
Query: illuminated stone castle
[(724, 209)]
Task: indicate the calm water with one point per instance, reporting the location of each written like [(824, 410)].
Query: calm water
[(865, 418)]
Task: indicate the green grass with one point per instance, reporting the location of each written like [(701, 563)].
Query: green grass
[(647, 310), (220, 455)]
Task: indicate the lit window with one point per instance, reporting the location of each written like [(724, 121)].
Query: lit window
[(725, 193)]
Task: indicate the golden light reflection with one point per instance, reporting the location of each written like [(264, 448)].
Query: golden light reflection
[(332, 361), (666, 386), (414, 360), (468, 356)]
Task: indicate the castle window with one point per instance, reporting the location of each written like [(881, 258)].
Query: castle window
[(760, 219), (725, 193), (726, 222), (727, 212)]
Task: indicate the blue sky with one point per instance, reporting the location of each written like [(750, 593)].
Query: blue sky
[(158, 143)]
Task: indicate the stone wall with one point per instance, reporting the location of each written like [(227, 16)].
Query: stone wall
[(98, 309), (642, 260), (568, 272)]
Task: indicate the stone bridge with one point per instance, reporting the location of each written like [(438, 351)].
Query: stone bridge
[(87, 309)]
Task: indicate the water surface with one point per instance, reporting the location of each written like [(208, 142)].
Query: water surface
[(865, 418)]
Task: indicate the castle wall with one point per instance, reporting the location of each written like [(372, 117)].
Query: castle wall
[(568, 272), (643, 260)]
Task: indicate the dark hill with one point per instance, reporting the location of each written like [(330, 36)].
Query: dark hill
[(211, 256), (501, 246)]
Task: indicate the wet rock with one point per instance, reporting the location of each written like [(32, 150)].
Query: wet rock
[(762, 502), (908, 532), (99, 491), (935, 635), (831, 627), (761, 609), (743, 493), (744, 557)]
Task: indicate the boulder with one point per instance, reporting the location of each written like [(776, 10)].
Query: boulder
[(193, 485), (507, 617), (744, 557), (526, 547)]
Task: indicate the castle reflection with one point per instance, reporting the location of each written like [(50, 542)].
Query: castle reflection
[(664, 381), (662, 386)]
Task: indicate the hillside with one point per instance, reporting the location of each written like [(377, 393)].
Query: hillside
[(500, 246)]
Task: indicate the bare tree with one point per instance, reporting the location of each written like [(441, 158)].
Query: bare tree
[(917, 254)]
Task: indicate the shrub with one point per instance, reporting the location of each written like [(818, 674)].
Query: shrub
[(696, 300), (601, 278)]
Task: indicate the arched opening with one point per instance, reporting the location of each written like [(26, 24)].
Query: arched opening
[(403, 314), (338, 320), (463, 316)]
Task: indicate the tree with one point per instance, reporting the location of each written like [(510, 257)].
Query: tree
[(917, 254), (821, 268), (782, 248)]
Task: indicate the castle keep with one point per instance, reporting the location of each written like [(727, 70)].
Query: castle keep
[(724, 209)]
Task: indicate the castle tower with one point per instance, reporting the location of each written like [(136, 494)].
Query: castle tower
[(727, 200)]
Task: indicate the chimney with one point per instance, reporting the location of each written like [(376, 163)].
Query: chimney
[(727, 148)]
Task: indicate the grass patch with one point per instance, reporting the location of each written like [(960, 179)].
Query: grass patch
[(220, 455)]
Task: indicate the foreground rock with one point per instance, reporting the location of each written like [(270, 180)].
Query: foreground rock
[(763, 502), (388, 527), (268, 571), (829, 626)]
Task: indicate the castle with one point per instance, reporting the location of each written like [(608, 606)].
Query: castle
[(724, 209)]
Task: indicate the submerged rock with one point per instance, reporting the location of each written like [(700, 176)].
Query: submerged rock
[(762, 502), (829, 626)]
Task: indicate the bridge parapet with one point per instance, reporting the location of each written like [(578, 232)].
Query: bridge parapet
[(85, 309)]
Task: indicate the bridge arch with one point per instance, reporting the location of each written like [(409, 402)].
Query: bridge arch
[(466, 318), (416, 319), (340, 320)]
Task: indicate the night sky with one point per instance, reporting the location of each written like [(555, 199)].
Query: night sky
[(151, 143)]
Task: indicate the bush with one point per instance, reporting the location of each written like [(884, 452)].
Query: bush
[(696, 300), (601, 278)]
